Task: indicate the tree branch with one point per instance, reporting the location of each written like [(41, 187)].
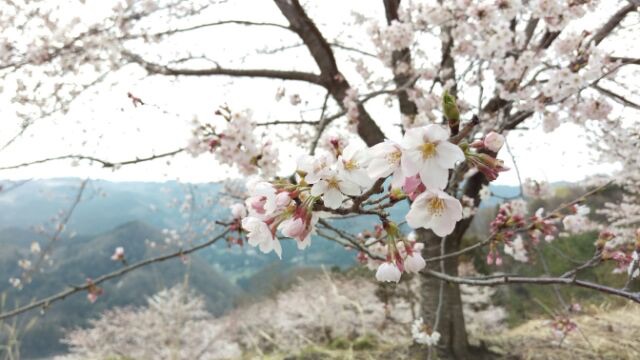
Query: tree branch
[(613, 22), (509, 279), (158, 69), (618, 98), (46, 302), (330, 76), (105, 163)]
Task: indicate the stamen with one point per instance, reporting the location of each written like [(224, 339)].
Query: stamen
[(436, 206), (428, 150), (351, 165), (394, 157), (333, 183)]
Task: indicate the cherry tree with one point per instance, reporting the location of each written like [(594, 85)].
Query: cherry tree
[(415, 102)]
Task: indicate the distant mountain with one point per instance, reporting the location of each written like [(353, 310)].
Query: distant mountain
[(105, 204), (80, 258)]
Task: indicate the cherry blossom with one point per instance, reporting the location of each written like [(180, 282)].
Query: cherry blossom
[(435, 210), (314, 167), (422, 334), (428, 153), (238, 211), (261, 235), (414, 262), (352, 165), (384, 161), (118, 254), (388, 272), (333, 187)]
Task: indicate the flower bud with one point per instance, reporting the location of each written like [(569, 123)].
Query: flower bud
[(494, 141), (388, 272), (450, 108)]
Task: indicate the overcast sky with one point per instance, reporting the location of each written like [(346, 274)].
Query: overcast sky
[(104, 123)]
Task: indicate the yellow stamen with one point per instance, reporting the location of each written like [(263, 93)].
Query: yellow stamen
[(333, 183), (436, 206), (428, 150), (394, 157), (351, 165)]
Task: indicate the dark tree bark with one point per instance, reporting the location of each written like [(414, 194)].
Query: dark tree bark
[(454, 343)]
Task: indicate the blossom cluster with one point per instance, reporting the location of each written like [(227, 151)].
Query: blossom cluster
[(341, 180), (235, 144), (512, 220)]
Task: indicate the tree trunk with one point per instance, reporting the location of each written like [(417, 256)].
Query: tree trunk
[(453, 342)]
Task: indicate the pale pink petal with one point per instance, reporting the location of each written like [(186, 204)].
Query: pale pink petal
[(433, 176), (448, 154), (349, 188), (319, 188), (332, 198), (436, 133)]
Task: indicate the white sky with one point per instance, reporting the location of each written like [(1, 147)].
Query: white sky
[(106, 125)]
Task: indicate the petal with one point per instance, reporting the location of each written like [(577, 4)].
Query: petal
[(277, 247), (435, 133), (453, 208), (413, 138), (398, 179), (418, 215), (266, 245), (350, 151), (442, 225), (305, 243), (447, 154), (319, 188), (409, 162), (349, 188), (361, 178), (434, 176), (332, 198), (379, 167)]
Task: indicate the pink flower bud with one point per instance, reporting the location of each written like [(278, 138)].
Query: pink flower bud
[(478, 144), (494, 141), (293, 228), (490, 259), (283, 199), (238, 211)]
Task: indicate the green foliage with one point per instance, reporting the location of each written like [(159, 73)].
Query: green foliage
[(524, 302)]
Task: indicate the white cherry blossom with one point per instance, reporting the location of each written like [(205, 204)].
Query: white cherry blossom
[(333, 187), (314, 167), (262, 202), (259, 234), (238, 211), (384, 161), (435, 210), (428, 153), (352, 165), (421, 335), (494, 141)]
